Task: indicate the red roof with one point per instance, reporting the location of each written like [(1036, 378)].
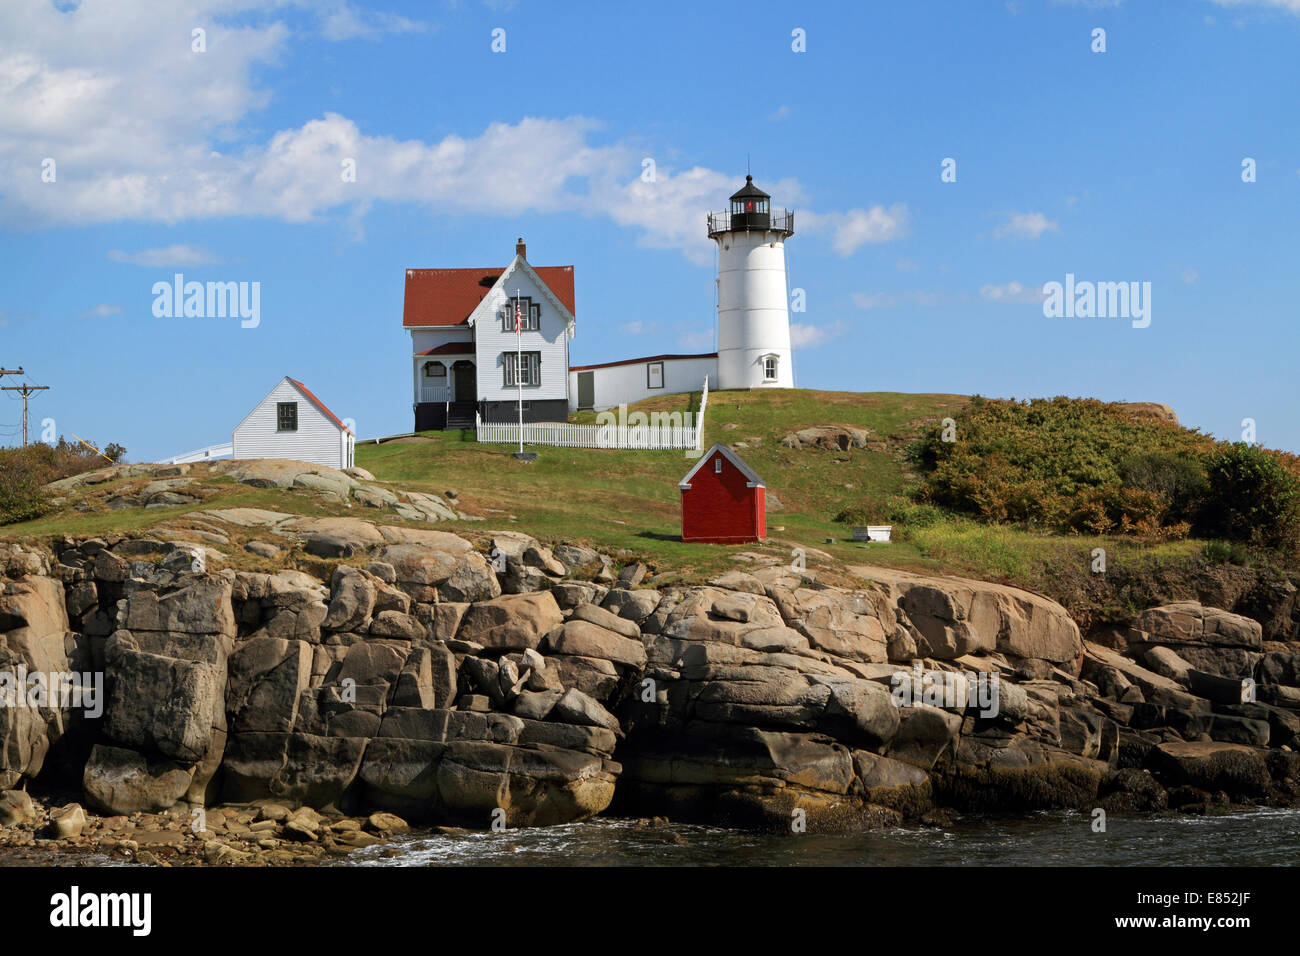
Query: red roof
[(652, 358), (447, 296), (450, 348), (319, 404)]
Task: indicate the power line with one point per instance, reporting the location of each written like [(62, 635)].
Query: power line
[(26, 391)]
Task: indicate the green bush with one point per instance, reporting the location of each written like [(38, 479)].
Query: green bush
[(1061, 463), (869, 509), (1252, 497), (1179, 479), (24, 473), (1088, 467), (1226, 552)]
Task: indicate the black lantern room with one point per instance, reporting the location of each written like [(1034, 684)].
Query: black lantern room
[(751, 211), (749, 207)]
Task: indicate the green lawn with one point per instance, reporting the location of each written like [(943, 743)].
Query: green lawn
[(628, 501)]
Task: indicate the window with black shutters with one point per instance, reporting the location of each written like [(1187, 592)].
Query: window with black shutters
[(532, 368), (530, 315)]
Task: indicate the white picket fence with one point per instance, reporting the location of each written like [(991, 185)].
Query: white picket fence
[(659, 434), (201, 454)]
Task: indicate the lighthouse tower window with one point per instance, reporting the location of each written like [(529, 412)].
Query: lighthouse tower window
[(769, 368)]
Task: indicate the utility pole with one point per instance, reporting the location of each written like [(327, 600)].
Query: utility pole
[(27, 391), (12, 371)]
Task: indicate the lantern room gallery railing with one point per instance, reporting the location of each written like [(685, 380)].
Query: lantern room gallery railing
[(778, 220)]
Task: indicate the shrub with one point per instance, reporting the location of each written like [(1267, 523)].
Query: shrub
[(869, 509), (24, 472), (1252, 497), (1178, 478), (1226, 552)]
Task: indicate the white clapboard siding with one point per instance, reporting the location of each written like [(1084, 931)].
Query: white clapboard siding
[(318, 439), (552, 341), (628, 382)]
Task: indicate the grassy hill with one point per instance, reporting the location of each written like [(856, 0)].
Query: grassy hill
[(628, 501)]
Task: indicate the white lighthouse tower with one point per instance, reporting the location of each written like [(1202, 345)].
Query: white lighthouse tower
[(753, 308)]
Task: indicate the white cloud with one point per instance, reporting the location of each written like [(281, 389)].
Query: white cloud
[(1291, 6), (1025, 225), (852, 229), (341, 21), (144, 129), (811, 336), (1016, 292), (101, 311), (781, 112), (907, 265), (1190, 275), (889, 300), (176, 255), (637, 327)]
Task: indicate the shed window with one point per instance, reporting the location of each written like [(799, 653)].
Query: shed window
[(286, 416), (717, 465)]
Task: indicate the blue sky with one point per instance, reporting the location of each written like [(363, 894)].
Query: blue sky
[(225, 165)]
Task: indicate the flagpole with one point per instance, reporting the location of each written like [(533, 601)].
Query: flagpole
[(519, 369)]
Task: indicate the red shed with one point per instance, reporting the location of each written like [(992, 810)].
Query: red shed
[(722, 500)]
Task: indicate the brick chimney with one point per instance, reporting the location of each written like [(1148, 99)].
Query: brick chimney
[(520, 249)]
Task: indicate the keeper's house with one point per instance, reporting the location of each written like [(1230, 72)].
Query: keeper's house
[(293, 423), (464, 348), (723, 500), (465, 355)]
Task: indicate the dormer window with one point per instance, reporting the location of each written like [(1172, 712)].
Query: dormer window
[(530, 315)]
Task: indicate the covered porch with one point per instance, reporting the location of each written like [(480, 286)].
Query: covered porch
[(446, 373), (446, 386)]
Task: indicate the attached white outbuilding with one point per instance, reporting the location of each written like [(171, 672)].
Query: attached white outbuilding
[(293, 423)]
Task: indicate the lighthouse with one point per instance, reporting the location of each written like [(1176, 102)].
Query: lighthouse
[(753, 307)]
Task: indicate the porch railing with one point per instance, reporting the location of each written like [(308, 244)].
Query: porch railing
[(436, 393)]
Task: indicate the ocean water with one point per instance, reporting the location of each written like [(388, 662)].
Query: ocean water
[(1249, 838), (1246, 838)]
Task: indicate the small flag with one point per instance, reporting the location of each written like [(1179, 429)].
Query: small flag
[(518, 319)]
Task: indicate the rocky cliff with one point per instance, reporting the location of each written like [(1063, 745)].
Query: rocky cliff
[(508, 683)]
